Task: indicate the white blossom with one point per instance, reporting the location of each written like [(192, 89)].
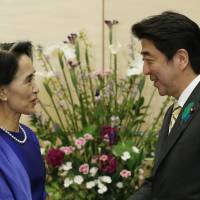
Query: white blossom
[(105, 179), (67, 182), (136, 66), (126, 155), (135, 149), (119, 185), (114, 48), (93, 171), (78, 179), (101, 188), (42, 150), (90, 184), (69, 51), (66, 167)]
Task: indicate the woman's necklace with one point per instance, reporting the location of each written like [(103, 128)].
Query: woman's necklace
[(13, 137)]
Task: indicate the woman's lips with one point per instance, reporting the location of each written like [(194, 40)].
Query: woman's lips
[(34, 101)]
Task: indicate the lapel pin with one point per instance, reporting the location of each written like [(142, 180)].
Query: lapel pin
[(192, 110), (189, 109)]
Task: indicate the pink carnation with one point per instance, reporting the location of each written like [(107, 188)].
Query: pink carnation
[(80, 142), (125, 173), (84, 168), (67, 150), (88, 136), (103, 158)]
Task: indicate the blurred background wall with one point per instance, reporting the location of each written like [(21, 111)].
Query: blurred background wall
[(48, 22)]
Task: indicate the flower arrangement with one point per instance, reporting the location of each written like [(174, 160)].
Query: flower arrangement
[(91, 123)]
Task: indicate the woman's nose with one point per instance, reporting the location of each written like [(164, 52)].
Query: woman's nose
[(35, 89)]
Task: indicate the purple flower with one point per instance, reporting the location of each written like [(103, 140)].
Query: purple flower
[(109, 135), (97, 93), (55, 157), (110, 23), (108, 165)]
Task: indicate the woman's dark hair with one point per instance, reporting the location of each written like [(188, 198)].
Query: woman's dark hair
[(169, 32), (9, 56), (8, 67), (18, 48)]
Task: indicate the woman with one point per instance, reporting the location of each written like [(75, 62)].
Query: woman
[(22, 171)]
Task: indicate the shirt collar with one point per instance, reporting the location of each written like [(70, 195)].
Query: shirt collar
[(188, 90)]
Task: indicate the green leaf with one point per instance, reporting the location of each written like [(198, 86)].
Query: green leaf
[(141, 83), (60, 58), (121, 147), (48, 89), (77, 50)]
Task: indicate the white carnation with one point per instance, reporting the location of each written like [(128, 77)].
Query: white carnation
[(135, 149), (102, 188), (93, 171), (119, 185), (105, 179), (126, 155), (78, 179), (67, 182), (90, 184), (66, 167)]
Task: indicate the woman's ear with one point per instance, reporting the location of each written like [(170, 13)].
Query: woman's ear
[(3, 96), (181, 59)]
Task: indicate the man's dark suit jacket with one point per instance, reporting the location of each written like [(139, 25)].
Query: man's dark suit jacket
[(176, 172)]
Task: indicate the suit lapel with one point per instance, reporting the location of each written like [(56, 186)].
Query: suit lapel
[(162, 136), (179, 126)]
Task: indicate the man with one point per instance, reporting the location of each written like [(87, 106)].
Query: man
[(171, 53)]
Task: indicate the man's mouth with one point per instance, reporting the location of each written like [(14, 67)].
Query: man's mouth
[(153, 79)]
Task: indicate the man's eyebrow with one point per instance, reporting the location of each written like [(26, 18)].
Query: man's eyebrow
[(145, 53)]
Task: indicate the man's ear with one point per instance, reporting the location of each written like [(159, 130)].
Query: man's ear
[(181, 59), (3, 96)]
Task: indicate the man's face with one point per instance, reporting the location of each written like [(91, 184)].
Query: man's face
[(161, 71)]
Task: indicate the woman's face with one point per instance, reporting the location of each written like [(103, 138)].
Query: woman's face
[(22, 92)]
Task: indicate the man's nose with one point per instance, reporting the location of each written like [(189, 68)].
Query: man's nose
[(146, 69)]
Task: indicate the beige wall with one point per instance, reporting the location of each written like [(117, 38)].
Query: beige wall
[(47, 22)]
